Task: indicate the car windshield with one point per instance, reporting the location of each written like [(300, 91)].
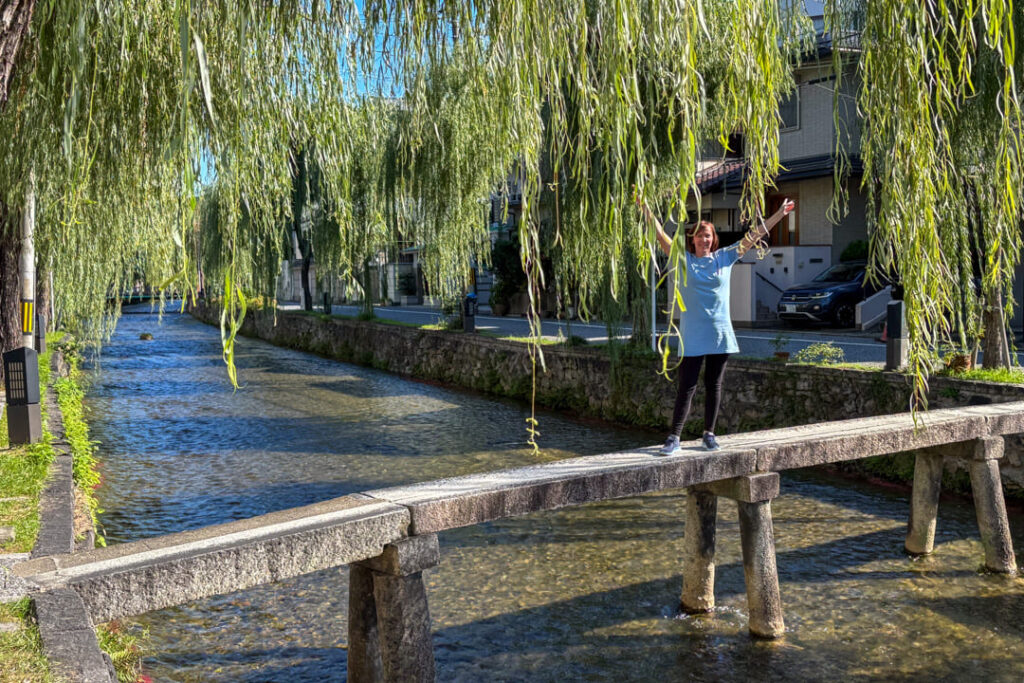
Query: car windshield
[(841, 272)]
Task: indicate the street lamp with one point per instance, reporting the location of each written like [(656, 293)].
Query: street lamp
[(21, 381)]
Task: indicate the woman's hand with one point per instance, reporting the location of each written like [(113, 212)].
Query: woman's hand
[(788, 207)]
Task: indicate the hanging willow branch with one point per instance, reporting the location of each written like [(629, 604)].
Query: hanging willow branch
[(177, 122)]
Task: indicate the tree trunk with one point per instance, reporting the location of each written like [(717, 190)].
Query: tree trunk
[(995, 346), (307, 297), (10, 287), (15, 17)]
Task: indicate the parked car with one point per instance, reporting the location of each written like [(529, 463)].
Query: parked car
[(831, 297)]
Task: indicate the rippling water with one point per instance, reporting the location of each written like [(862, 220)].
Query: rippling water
[(584, 593)]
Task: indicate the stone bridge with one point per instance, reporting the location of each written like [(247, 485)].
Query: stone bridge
[(389, 536)]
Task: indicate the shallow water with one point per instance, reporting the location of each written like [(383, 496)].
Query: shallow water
[(583, 593)]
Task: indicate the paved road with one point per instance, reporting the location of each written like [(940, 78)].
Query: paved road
[(858, 346)]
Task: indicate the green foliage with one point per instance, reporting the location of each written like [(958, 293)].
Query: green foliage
[(856, 250), (589, 102), (23, 473), (779, 341), (506, 262), (823, 353), (942, 156), (86, 475), (21, 650), (1004, 375), (125, 649)]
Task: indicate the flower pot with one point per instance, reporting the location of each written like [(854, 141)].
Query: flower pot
[(782, 356)]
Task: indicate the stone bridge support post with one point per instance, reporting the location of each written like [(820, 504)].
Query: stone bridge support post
[(699, 552), (924, 502), (987, 487), (388, 620), (753, 495)]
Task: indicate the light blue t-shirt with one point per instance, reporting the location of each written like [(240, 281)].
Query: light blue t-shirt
[(706, 323)]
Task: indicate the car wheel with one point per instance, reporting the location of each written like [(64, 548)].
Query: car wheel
[(845, 315)]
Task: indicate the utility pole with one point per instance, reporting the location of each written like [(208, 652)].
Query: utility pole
[(28, 265), (21, 366)]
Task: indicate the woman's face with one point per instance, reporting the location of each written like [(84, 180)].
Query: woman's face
[(702, 241)]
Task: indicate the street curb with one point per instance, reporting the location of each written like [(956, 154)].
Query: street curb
[(57, 501), (69, 637), (68, 634)]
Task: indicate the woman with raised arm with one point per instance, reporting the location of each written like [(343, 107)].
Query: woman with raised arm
[(707, 333)]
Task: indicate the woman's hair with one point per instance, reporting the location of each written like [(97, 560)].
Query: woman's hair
[(697, 228)]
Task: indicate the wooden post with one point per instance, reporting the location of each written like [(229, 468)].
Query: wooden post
[(753, 494), (990, 507), (699, 552), (389, 620), (924, 503)]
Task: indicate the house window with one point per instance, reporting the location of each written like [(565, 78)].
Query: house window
[(787, 232), (789, 111)]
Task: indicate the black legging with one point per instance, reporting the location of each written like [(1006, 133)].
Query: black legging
[(714, 370)]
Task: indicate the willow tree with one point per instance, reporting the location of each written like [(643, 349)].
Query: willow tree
[(942, 159), (122, 109)]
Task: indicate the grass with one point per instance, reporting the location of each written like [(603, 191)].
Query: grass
[(1002, 375), (125, 649), (70, 396), (23, 471), (21, 656)]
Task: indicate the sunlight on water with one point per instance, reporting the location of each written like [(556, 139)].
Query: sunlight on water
[(581, 593)]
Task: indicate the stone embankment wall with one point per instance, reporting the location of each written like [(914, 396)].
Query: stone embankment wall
[(628, 389)]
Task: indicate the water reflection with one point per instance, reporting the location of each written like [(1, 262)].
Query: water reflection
[(582, 593)]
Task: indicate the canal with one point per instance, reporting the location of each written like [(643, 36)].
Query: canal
[(586, 593)]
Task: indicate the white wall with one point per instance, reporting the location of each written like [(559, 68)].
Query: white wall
[(742, 295), (784, 267)]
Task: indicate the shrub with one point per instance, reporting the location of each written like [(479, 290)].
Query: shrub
[(855, 251), (825, 353)]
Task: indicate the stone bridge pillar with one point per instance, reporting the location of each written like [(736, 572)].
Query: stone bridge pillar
[(753, 495), (986, 486), (388, 620)]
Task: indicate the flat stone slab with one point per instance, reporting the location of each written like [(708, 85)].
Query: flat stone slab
[(57, 510), (132, 578), (69, 638), (462, 501), (830, 442), (12, 586)]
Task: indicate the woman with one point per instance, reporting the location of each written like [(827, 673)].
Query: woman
[(707, 333)]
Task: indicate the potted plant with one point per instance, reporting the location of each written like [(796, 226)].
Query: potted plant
[(779, 343), (500, 295)]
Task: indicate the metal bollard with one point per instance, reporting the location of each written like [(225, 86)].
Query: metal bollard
[(469, 313), (897, 345)]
